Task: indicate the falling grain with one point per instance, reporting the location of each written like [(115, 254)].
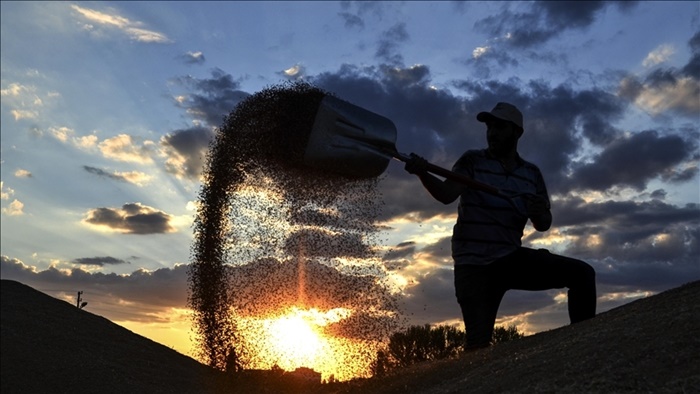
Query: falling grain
[(274, 236)]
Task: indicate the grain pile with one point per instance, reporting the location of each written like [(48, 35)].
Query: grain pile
[(272, 235)]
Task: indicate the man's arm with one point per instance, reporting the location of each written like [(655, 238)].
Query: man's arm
[(539, 213), (446, 191)]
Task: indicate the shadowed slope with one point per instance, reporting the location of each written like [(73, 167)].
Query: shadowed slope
[(650, 345), (51, 346), (647, 346)]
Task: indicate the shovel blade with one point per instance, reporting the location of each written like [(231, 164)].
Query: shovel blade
[(350, 140)]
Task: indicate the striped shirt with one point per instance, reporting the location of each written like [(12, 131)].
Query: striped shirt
[(488, 227)]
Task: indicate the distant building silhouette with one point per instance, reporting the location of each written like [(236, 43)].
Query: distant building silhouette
[(306, 375)]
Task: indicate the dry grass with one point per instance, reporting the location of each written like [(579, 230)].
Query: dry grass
[(647, 346)]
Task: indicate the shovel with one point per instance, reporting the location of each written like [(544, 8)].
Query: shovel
[(355, 142)]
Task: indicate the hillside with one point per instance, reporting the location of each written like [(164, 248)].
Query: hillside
[(50, 346), (649, 345)]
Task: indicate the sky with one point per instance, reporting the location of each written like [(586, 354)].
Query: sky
[(108, 109)]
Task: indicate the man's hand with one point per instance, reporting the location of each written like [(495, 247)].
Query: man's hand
[(537, 208), (416, 165)]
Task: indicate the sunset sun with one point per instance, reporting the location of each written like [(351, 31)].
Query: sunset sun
[(295, 337), (298, 338)]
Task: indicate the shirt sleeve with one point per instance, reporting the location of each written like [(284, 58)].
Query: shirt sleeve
[(465, 164)]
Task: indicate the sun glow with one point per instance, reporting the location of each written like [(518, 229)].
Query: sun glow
[(295, 337), (300, 338)]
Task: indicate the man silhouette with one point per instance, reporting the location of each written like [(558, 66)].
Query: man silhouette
[(487, 250)]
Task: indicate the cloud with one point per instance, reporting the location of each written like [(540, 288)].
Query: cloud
[(352, 20), (99, 261), (431, 298), (132, 218), (16, 208), (311, 284), (402, 250), (21, 173), (543, 21), (649, 245), (133, 29), (320, 243), (296, 72), (66, 135), (5, 193), (141, 296), (62, 134), (657, 94), (362, 9), (659, 55), (193, 58), (592, 154), (24, 101), (387, 47), (692, 69), (217, 96), (135, 177), (186, 151), (633, 161), (671, 89), (441, 126), (124, 147)]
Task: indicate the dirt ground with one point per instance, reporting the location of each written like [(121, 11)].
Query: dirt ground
[(647, 346)]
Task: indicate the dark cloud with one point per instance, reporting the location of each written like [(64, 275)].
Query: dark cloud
[(187, 150), (353, 13), (559, 121), (217, 96), (141, 296), (635, 160), (544, 21), (658, 194), (402, 250), (483, 64), (268, 287), (556, 119), (193, 58), (99, 261), (672, 89), (625, 236), (431, 298), (387, 48), (132, 218), (352, 20), (440, 250), (692, 68), (133, 177), (320, 243), (653, 215), (105, 174), (209, 101)]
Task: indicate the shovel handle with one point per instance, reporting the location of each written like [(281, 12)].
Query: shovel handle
[(453, 176)]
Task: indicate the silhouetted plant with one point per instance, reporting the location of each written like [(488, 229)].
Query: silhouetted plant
[(505, 334), (382, 364), (417, 344), (80, 303), (424, 343)]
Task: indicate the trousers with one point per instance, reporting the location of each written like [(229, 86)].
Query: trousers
[(480, 288)]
